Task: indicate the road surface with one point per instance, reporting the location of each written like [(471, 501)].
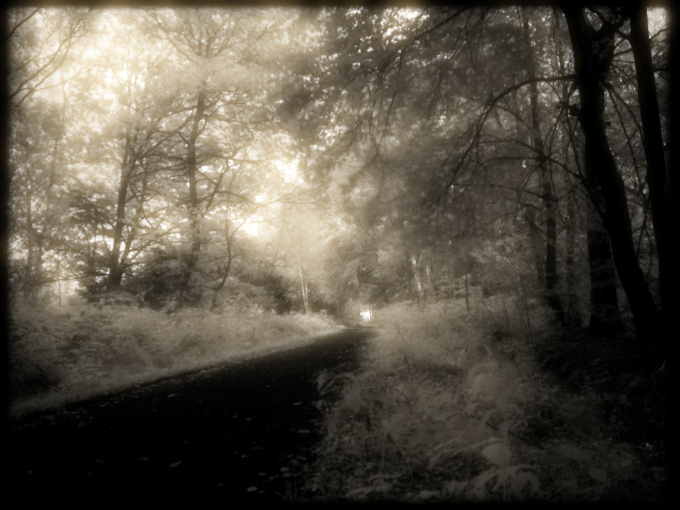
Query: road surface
[(241, 431)]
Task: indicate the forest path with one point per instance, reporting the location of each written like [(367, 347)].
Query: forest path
[(243, 430)]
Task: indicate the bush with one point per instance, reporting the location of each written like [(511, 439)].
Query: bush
[(451, 406)]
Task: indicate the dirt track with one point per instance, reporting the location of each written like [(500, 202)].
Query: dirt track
[(242, 431)]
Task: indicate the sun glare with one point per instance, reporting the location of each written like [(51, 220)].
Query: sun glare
[(409, 13), (109, 55), (289, 171), (366, 315), (252, 227)]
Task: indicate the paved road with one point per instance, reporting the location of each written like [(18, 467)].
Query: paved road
[(244, 430)]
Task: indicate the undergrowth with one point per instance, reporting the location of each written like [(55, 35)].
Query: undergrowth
[(60, 354), (451, 405)]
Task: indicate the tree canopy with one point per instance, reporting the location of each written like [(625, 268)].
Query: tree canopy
[(334, 157)]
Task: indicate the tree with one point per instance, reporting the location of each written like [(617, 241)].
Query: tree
[(446, 137), (381, 75), (658, 177), (214, 116), (36, 59), (604, 307), (588, 59), (137, 144), (35, 187), (37, 138), (545, 178)]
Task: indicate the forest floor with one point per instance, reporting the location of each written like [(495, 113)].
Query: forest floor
[(447, 404), (237, 432), (490, 405)]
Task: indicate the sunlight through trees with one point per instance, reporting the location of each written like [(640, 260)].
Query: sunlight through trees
[(356, 156), (490, 189)]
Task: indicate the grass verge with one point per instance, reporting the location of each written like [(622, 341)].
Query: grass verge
[(65, 354), (451, 405)]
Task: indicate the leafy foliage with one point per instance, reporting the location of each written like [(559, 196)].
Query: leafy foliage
[(444, 410), (61, 354), (461, 176)]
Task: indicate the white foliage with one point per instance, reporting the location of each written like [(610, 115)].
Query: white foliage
[(493, 382), (499, 454), (95, 350)]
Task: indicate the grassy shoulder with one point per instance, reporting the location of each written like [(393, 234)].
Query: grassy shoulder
[(452, 405), (62, 354)]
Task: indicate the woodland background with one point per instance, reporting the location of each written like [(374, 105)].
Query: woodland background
[(186, 184)]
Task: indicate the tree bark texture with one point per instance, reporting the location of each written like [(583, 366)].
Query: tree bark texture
[(547, 195), (304, 289), (605, 316), (572, 314), (127, 167), (658, 179), (674, 163), (193, 213), (588, 54)]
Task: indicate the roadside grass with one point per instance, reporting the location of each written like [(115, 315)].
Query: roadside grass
[(453, 406), (63, 354)]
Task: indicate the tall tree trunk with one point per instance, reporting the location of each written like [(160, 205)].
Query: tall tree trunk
[(605, 317), (127, 168), (29, 284), (429, 287), (547, 194), (115, 268), (587, 58), (33, 277), (417, 281), (573, 316), (193, 213), (674, 126), (536, 238), (658, 181), (674, 164), (573, 309), (229, 236), (303, 286)]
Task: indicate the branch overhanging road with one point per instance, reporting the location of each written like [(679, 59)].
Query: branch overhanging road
[(246, 430)]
